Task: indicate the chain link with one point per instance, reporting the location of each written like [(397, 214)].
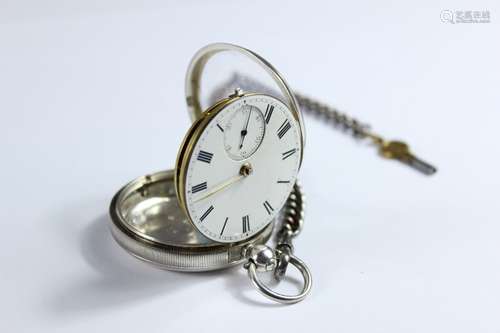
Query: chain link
[(292, 217), (340, 120), (264, 258)]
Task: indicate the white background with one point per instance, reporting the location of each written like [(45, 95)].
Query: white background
[(92, 96)]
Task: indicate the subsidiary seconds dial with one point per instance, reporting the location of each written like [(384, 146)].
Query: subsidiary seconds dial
[(244, 132)]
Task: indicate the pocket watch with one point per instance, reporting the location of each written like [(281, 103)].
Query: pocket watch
[(235, 175), (234, 182)]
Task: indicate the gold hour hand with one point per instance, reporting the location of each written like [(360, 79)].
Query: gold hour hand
[(245, 170)]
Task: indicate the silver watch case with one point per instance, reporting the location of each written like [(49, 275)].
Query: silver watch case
[(147, 221)]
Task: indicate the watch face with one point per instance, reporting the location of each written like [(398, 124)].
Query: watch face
[(242, 168)]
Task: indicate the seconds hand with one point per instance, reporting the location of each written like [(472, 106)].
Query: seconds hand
[(244, 131)]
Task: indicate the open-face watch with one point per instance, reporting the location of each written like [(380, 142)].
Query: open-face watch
[(235, 175)]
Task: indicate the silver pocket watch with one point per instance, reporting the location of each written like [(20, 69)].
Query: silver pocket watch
[(235, 180)]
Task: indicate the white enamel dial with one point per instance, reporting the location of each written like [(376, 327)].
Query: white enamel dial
[(236, 186)]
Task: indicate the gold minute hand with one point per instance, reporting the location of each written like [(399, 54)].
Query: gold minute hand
[(246, 170)]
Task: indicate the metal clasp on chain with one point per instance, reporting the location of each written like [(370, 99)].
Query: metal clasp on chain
[(262, 258)]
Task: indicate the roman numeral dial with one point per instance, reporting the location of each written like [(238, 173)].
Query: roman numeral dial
[(268, 207), (207, 212), (245, 221), (269, 113), (199, 187), (224, 226), (283, 129), (288, 153), (239, 165), (205, 156)]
